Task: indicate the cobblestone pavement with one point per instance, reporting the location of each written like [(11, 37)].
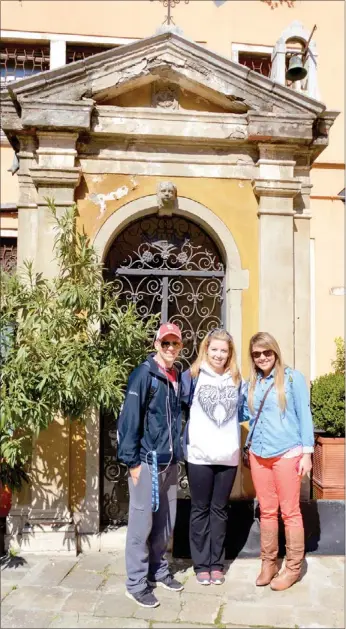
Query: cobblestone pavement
[(89, 591)]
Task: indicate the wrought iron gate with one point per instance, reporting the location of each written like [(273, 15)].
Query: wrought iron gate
[(168, 266)]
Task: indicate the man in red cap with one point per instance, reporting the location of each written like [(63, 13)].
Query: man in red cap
[(149, 444)]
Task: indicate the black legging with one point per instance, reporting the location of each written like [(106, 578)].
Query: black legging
[(210, 487)]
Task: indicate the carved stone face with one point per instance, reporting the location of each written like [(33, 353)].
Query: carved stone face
[(166, 194)]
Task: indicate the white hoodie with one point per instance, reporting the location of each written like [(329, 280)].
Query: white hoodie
[(212, 434)]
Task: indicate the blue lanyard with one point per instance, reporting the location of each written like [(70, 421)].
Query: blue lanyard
[(155, 498)]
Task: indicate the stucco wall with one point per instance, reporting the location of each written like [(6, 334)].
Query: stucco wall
[(232, 201)]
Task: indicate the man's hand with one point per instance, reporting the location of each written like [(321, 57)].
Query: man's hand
[(134, 473), (305, 465)]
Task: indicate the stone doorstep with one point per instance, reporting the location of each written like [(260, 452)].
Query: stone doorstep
[(43, 539)]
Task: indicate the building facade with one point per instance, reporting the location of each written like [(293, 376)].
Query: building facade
[(251, 162)]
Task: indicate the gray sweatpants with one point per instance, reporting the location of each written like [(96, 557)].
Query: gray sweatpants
[(148, 533)]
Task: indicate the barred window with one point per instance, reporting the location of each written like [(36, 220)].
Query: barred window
[(18, 61), (259, 62), (77, 52), (8, 254)]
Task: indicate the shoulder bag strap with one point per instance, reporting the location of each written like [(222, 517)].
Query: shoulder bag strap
[(258, 414)]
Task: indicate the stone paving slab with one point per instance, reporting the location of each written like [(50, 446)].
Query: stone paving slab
[(200, 609), (89, 591), (180, 625), (81, 601), (241, 613), (7, 587), (80, 579), (114, 583), (117, 565), (30, 619), (97, 562), (83, 621), (52, 573), (115, 604)]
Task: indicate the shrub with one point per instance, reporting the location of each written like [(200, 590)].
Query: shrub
[(339, 363), (328, 404), (55, 361)]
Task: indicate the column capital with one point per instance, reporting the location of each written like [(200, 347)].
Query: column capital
[(284, 188), (278, 152), (68, 115), (56, 178)]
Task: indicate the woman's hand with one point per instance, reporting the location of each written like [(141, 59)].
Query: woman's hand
[(305, 465)]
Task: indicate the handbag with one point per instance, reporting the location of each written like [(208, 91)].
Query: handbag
[(246, 448)]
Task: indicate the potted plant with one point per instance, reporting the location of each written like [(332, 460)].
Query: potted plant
[(328, 409)]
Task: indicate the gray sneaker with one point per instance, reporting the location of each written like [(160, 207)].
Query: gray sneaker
[(145, 598), (169, 583)]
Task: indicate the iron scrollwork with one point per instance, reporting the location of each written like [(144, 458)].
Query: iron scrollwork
[(166, 265)]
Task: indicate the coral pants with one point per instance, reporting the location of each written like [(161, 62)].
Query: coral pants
[(277, 483)]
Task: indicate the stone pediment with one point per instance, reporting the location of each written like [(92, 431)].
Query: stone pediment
[(163, 96), (164, 60)]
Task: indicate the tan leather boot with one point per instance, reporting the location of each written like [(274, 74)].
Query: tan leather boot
[(269, 553), (294, 560)]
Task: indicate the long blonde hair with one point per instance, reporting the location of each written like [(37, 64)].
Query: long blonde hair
[(267, 341), (220, 335)]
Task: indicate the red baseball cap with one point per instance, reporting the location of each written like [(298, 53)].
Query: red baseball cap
[(166, 329)]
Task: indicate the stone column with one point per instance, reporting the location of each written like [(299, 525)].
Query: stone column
[(276, 188), (50, 525), (27, 202), (55, 178)]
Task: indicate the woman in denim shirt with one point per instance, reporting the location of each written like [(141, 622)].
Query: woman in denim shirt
[(280, 454)]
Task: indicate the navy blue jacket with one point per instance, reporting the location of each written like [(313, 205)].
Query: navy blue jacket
[(143, 422)]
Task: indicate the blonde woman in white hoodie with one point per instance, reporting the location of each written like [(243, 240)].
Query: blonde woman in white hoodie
[(211, 389)]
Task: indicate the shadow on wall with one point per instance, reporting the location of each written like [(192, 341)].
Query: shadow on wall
[(57, 486)]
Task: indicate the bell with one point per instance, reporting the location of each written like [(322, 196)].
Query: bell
[(296, 70)]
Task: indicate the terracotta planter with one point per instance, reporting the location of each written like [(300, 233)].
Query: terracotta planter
[(5, 500), (328, 480)]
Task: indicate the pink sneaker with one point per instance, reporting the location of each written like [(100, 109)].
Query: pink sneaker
[(217, 577), (203, 578)]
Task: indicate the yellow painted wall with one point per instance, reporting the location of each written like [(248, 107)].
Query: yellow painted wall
[(232, 201), (77, 464), (328, 231)]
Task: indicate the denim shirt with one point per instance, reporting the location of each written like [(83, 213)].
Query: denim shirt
[(276, 432)]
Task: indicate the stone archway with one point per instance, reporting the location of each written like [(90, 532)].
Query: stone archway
[(236, 280)]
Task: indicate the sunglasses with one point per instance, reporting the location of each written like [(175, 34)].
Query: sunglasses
[(166, 344), (268, 353)]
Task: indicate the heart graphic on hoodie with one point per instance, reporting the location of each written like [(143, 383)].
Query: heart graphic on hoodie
[(218, 404)]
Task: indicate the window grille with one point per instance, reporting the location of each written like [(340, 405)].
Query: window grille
[(18, 61), (8, 254), (259, 62), (77, 52)]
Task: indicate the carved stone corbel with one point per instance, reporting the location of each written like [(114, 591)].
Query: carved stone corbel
[(167, 200)]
